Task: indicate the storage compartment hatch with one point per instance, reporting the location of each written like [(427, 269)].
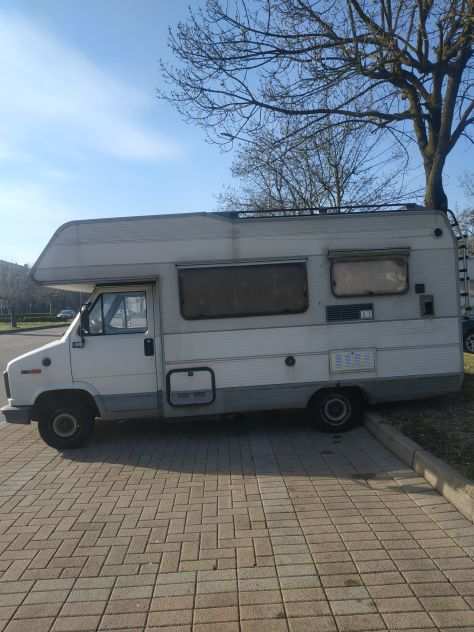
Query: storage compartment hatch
[(191, 387)]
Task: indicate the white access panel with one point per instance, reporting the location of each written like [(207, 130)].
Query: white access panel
[(188, 387)]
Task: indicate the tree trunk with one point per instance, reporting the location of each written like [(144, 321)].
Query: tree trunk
[(435, 196), (13, 317)]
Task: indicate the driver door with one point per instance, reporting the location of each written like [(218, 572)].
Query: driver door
[(118, 358)]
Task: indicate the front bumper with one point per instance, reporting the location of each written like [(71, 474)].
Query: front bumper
[(17, 414)]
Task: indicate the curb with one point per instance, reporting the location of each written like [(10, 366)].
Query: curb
[(459, 491), (26, 329)]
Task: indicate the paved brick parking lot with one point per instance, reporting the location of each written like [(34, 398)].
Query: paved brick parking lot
[(258, 525)]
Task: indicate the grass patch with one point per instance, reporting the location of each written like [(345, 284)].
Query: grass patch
[(27, 325), (442, 425)]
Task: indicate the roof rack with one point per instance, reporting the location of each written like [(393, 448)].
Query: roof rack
[(324, 210)]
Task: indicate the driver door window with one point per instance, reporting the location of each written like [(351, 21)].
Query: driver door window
[(118, 313)]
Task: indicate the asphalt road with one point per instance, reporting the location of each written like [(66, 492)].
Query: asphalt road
[(13, 345)]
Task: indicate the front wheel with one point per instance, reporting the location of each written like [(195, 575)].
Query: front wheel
[(337, 410), (66, 427)]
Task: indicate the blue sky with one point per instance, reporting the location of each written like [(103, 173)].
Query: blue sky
[(82, 133)]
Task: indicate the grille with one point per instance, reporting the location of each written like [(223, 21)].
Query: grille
[(346, 312)]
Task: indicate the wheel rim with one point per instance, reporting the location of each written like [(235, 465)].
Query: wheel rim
[(65, 425), (469, 343), (336, 410)]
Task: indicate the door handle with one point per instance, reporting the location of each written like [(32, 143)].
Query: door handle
[(149, 346)]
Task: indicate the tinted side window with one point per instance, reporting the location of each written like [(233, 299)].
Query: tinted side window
[(245, 290), (380, 275)]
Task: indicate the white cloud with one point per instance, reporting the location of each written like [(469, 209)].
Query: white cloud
[(48, 86)]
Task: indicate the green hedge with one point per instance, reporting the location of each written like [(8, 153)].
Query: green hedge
[(30, 318)]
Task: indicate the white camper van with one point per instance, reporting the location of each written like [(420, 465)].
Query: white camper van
[(211, 313)]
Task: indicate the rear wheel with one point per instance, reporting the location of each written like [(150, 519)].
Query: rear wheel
[(337, 410), (66, 427)]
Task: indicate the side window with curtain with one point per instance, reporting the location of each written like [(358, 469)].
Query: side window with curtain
[(371, 276), (243, 290)]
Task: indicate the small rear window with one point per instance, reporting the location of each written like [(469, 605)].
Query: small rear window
[(369, 277)]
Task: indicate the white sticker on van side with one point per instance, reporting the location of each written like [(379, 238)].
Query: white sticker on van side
[(352, 360)]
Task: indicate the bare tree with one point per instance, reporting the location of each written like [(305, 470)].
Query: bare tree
[(20, 294), (341, 165), (467, 182), (13, 280), (402, 66), (466, 217)]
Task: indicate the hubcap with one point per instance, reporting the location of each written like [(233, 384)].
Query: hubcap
[(65, 425), (336, 410), (470, 343)]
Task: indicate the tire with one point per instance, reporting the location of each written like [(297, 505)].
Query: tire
[(337, 410), (469, 342), (66, 427)]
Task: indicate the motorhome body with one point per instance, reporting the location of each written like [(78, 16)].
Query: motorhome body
[(211, 313)]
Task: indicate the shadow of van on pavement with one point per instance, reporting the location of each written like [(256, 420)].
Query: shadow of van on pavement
[(264, 444)]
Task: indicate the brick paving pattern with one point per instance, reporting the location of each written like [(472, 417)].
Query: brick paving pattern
[(265, 526)]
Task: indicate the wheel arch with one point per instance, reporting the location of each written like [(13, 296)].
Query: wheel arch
[(354, 388), (66, 395)]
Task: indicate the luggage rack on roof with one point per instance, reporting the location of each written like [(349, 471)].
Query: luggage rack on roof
[(461, 237), (323, 210)]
